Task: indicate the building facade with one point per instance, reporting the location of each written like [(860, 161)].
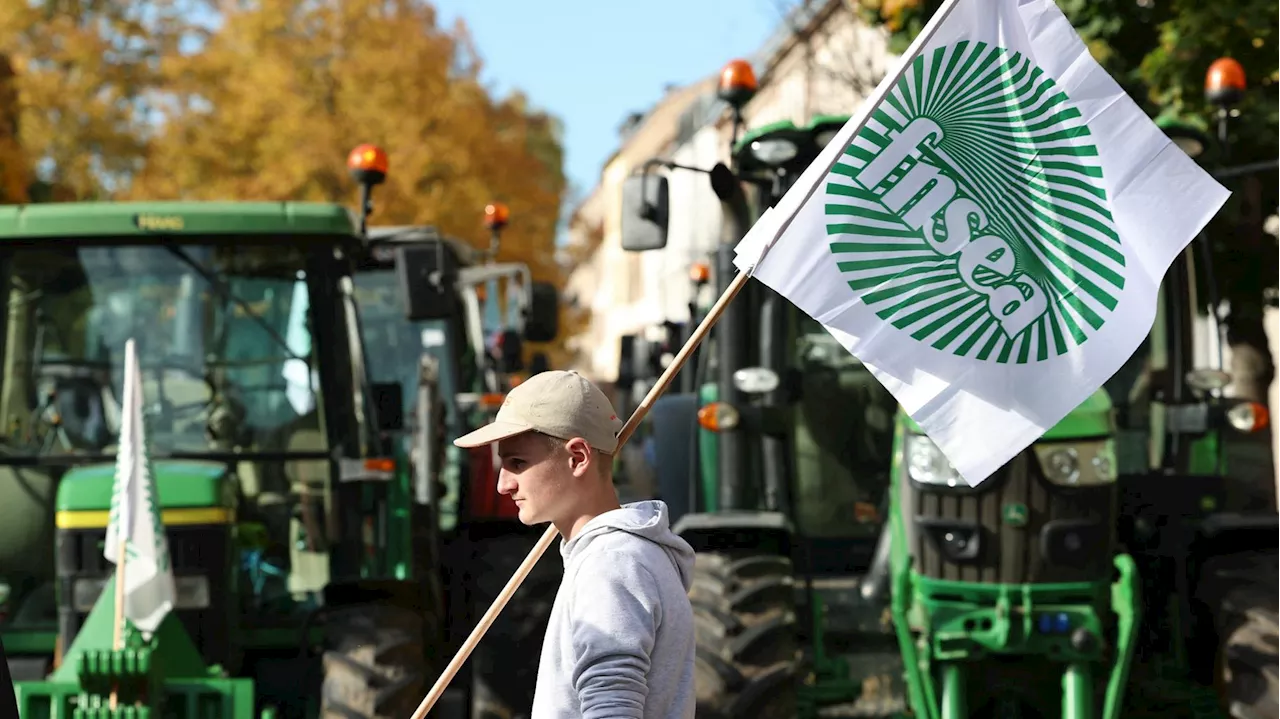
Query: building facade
[(823, 60)]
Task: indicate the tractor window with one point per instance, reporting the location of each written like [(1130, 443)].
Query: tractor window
[(843, 438), (223, 365), (393, 344)]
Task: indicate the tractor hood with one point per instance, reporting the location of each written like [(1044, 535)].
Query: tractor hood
[(84, 494), (1093, 418)]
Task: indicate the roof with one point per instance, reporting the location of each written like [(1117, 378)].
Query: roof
[(159, 219), (407, 234)]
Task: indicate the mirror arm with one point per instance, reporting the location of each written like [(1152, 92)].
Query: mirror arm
[(647, 211), (1247, 169), (526, 289)]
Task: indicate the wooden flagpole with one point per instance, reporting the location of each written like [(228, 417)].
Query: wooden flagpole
[(117, 636)]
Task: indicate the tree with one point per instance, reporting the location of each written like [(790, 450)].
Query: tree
[(1159, 52), (277, 96), (13, 163), (83, 71)]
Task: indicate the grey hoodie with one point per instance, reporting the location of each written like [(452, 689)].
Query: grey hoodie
[(619, 643)]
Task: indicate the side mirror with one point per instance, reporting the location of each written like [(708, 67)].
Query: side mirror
[(510, 352), (645, 208), (388, 401), (428, 275), (543, 321)]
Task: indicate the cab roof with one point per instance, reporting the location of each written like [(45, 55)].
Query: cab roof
[(392, 235), (174, 218)]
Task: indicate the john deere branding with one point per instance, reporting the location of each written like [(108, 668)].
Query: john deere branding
[(1015, 514), (160, 223), (970, 210)]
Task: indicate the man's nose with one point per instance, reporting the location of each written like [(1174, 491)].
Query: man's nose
[(506, 484)]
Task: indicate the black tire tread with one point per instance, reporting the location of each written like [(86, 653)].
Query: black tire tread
[(375, 666), (1248, 663), (747, 660)]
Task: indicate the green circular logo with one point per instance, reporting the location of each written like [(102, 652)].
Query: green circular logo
[(1015, 514), (970, 212)]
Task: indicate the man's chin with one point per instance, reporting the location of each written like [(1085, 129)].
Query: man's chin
[(527, 517)]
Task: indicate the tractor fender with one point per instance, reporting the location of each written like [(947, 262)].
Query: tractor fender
[(768, 532)]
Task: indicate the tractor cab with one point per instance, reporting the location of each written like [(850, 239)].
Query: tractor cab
[(422, 300), (263, 429)]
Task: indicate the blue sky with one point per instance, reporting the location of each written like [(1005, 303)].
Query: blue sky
[(591, 62)]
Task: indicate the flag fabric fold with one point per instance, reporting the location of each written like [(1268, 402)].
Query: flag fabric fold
[(989, 233), (135, 515)]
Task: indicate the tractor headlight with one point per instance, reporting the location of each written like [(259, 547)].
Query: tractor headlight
[(927, 464), (756, 380), (773, 152), (1077, 464), (1249, 417), (1208, 380)]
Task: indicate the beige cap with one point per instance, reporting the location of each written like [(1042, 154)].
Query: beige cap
[(559, 403)]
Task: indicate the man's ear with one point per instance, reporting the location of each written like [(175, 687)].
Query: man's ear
[(579, 456)]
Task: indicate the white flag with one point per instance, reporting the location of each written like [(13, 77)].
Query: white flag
[(135, 515), (988, 234)]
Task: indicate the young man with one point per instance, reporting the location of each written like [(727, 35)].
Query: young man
[(619, 643)]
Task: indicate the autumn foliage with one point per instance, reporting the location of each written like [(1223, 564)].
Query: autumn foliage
[(267, 104)]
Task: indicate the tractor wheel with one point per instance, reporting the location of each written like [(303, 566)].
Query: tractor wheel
[(375, 667), (744, 623), (1245, 666)]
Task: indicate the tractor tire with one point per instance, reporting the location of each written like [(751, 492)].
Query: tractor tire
[(744, 622), (505, 664), (1248, 659), (1239, 604), (375, 667)]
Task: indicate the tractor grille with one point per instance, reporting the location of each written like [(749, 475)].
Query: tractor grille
[(1015, 528), (201, 566)]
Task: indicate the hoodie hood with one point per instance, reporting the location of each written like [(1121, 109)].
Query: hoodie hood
[(647, 519)]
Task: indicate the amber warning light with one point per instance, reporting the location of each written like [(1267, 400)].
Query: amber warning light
[(737, 83), (368, 164), (496, 215), (1224, 82), (700, 272)]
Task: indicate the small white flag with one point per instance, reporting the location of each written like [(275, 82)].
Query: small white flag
[(988, 234), (135, 515)]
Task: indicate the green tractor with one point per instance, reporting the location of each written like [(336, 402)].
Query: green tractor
[(312, 578), (1094, 575), (434, 346), (280, 495), (1098, 573)]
